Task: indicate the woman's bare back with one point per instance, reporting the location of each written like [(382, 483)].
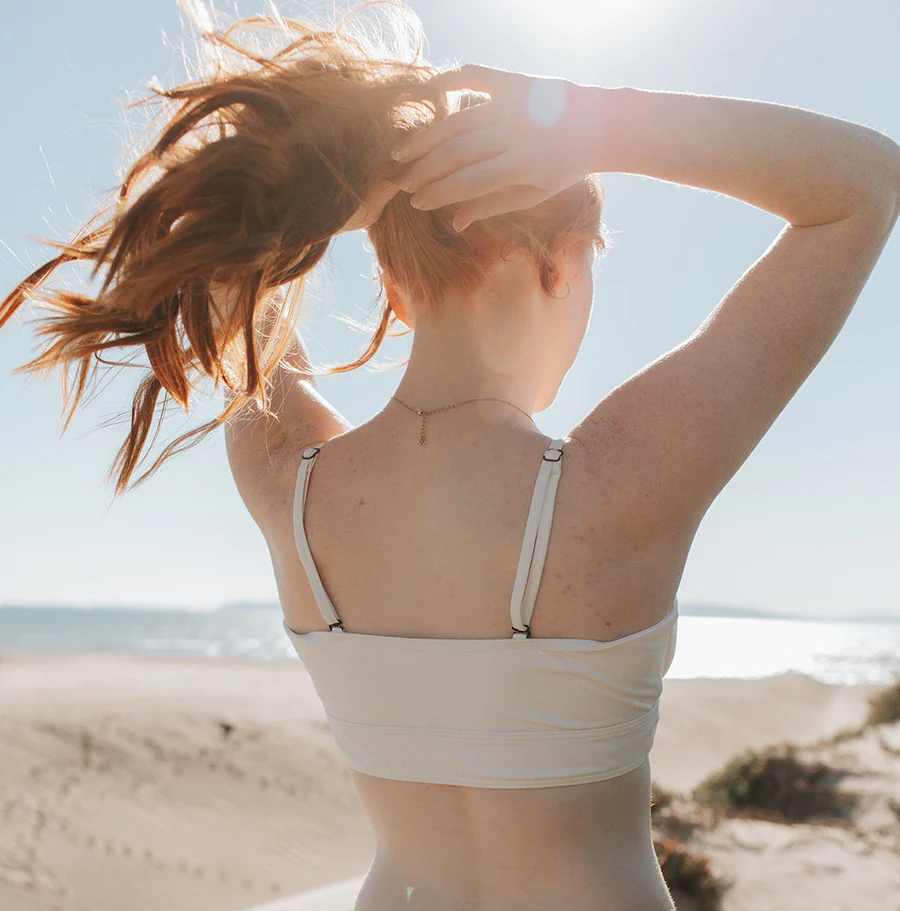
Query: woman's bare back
[(423, 542)]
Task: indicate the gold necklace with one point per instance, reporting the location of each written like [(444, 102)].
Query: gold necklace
[(424, 414)]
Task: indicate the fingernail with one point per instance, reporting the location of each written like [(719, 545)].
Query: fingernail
[(400, 153), (415, 202), (462, 226)]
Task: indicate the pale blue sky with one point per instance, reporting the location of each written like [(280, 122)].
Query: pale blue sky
[(810, 522)]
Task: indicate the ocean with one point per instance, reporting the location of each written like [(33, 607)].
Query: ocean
[(833, 651)]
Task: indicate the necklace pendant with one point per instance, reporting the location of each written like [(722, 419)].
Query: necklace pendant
[(422, 433)]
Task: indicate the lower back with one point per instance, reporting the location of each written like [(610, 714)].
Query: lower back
[(562, 848)]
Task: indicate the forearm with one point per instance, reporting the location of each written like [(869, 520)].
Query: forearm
[(807, 168)]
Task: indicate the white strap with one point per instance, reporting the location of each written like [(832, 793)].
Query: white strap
[(531, 559), (306, 557), (535, 540)]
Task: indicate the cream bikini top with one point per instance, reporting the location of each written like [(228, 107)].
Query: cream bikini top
[(488, 713)]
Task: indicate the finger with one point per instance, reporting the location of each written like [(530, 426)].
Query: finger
[(470, 99), (454, 155), (509, 199), (472, 76), (426, 139), (382, 192), (476, 180)]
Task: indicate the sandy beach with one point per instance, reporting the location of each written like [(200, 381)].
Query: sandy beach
[(145, 784)]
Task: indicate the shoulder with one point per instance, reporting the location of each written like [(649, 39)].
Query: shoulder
[(264, 456), (611, 483)]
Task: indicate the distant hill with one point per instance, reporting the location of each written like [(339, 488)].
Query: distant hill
[(249, 605), (759, 613), (684, 609)]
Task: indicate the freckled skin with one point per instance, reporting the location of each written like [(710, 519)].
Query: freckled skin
[(443, 847)]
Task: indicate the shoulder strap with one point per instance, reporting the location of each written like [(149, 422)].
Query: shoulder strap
[(535, 541), (306, 557)]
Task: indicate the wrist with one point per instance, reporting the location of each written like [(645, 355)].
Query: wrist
[(599, 125)]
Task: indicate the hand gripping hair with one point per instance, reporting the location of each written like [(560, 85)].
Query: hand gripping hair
[(257, 164)]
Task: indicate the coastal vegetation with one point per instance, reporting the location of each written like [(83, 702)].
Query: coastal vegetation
[(776, 783)]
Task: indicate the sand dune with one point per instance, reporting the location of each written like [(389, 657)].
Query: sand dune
[(147, 784), (338, 896)]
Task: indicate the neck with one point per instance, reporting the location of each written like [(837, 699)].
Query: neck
[(449, 366)]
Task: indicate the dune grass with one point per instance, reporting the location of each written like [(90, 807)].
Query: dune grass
[(843, 735), (688, 873), (659, 797), (775, 783), (884, 706)]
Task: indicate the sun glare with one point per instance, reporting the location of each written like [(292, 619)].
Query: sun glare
[(625, 16), (611, 26)]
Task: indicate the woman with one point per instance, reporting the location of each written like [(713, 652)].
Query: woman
[(487, 614)]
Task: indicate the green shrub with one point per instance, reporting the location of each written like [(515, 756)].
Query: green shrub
[(659, 797), (884, 706), (845, 734), (688, 873), (775, 783)]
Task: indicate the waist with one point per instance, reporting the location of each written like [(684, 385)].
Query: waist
[(491, 840), (619, 875)]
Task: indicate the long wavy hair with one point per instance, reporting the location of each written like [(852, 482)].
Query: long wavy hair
[(253, 166)]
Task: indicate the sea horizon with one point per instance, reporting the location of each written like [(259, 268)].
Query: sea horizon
[(714, 641), (685, 609)]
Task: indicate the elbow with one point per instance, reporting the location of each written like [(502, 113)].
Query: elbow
[(886, 178), (896, 172)]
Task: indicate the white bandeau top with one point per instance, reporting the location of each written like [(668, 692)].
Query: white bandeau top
[(489, 713)]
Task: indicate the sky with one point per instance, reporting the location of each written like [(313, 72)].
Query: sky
[(808, 525)]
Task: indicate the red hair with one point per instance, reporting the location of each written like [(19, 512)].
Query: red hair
[(258, 165)]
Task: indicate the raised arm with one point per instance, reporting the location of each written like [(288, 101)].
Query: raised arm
[(692, 417), (807, 168)]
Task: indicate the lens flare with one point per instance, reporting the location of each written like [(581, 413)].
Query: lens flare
[(547, 101)]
